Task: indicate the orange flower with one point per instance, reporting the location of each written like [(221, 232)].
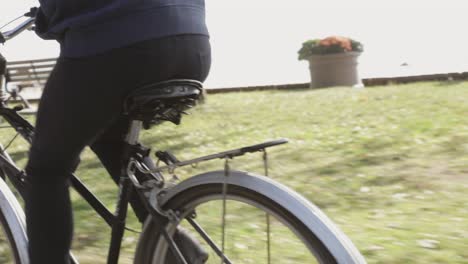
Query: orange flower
[(328, 45), (324, 42), (343, 42)]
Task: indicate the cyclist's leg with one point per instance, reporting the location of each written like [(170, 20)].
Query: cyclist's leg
[(73, 109), (83, 97)]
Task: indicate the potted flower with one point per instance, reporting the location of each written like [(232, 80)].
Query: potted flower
[(333, 61)]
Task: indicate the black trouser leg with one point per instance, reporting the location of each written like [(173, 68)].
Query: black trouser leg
[(81, 101)]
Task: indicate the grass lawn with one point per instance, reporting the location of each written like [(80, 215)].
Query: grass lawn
[(388, 164)]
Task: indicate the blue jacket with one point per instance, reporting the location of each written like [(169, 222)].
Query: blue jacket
[(87, 27)]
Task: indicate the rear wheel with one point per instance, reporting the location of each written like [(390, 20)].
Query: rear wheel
[(8, 251), (13, 240), (241, 221)]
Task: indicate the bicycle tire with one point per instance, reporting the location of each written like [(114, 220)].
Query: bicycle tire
[(324, 240), (13, 224)]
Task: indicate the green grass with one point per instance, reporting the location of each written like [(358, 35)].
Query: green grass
[(388, 164)]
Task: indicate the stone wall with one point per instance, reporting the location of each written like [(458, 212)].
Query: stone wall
[(368, 82)]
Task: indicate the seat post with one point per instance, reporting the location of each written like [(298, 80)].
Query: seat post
[(134, 132)]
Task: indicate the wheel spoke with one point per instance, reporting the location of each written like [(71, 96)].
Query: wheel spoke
[(223, 220), (223, 225), (173, 246), (208, 240), (265, 165), (268, 238), (254, 227)]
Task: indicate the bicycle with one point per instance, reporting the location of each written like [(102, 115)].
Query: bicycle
[(171, 203)]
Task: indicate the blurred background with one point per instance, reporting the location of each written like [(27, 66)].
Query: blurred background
[(388, 164), (256, 42)]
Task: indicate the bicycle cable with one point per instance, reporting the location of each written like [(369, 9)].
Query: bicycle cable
[(11, 21), (11, 141), (132, 230)]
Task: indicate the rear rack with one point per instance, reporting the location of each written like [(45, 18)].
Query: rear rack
[(222, 155)]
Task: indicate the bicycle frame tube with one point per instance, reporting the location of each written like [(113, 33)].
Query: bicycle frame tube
[(126, 188), (22, 126), (12, 169), (118, 227), (16, 176), (2, 74)]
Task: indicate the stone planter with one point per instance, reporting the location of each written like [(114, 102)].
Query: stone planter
[(339, 69)]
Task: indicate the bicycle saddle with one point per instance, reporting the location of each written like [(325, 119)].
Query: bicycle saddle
[(162, 101)]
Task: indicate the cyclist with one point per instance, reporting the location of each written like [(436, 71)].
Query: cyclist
[(108, 48)]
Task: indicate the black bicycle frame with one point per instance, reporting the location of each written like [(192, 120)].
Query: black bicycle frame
[(17, 177), (115, 220)]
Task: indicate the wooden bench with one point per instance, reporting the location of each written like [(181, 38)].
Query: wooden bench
[(25, 79)]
